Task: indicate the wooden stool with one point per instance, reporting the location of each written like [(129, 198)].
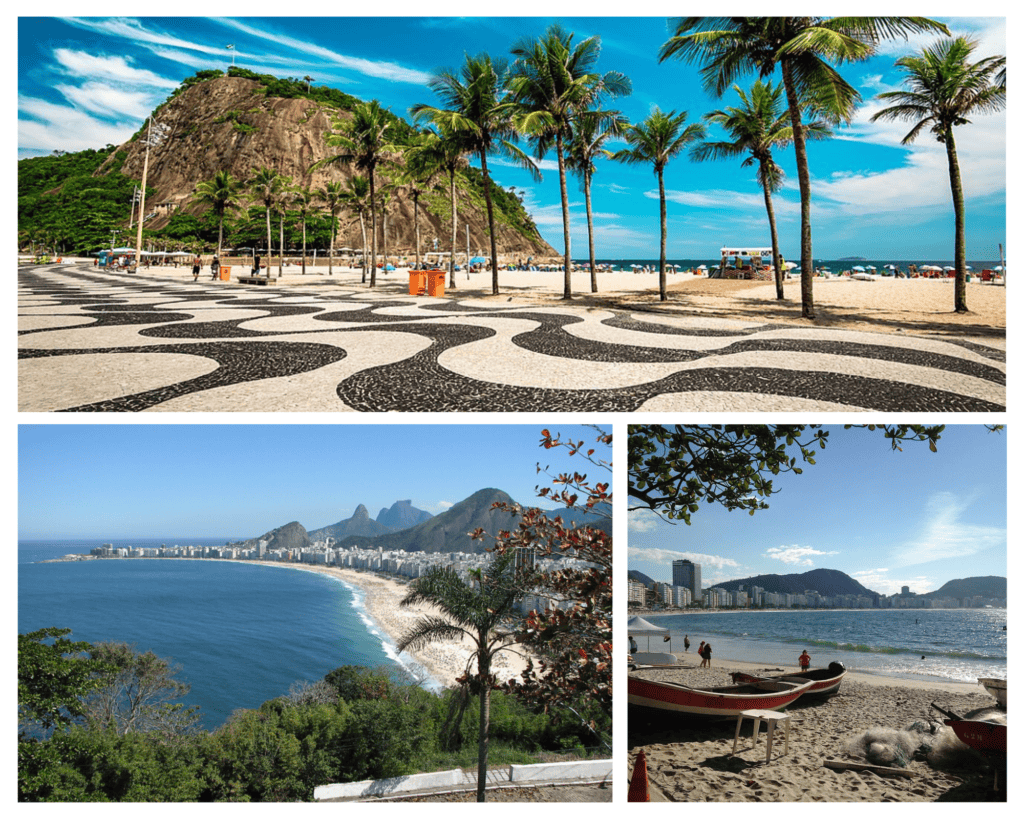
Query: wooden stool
[(772, 718)]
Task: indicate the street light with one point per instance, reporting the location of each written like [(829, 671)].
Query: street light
[(153, 138)]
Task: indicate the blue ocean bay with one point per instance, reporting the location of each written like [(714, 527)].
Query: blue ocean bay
[(242, 633)]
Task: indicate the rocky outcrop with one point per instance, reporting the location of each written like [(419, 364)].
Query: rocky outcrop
[(402, 515), (359, 524), (229, 123)]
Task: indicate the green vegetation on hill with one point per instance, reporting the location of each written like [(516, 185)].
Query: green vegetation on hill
[(352, 725), (64, 207)]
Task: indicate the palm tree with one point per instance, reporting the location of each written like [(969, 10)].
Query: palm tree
[(223, 193), (364, 143), (944, 88), (552, 81), (267, 186), (476, 106), (478, 610), (284, 198), (385, 193), (419, 176), (304, 200), (757, 126), (802, 48), (356, 197), (332, 194), (590, 131), (655, 141), (444, 151)]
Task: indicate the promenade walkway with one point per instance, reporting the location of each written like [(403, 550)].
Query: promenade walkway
[(91, 341)]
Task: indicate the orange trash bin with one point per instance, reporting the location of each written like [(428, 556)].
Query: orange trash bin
[(417, 282), (225, 273), (435, 282)]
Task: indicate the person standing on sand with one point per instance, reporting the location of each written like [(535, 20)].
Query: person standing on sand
[(700, 653), (707, 655), (805, 661), (632, 645), (686, 643)]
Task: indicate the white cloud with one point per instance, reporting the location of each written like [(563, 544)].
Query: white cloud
[(664, 557), (878, 580), (945, 535), (103, 99), (643, 520), (795, 555), (91, 67), (61, 127), (381, 69)]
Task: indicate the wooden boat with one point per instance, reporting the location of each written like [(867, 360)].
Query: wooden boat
[(987, 737), (825, 682), (997, 688), (722, 701)]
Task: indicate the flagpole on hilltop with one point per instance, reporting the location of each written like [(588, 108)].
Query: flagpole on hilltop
[(231, 48)]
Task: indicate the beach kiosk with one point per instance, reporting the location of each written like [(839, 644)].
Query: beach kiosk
[(638, 627), (745, 262)]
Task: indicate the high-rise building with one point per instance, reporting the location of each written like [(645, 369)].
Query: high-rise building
[(687, 573)]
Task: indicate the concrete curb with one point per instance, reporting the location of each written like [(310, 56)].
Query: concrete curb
[(396, 784)]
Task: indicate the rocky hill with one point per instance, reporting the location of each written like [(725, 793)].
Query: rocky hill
[(828, 582), (290, 536), (359, 524), (402, 514), (231, 123), (989, 587)]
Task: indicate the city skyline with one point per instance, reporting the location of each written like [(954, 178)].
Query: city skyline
[(87, 82), (885, 518), (146, 480)]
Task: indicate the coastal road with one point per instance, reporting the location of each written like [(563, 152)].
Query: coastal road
[(93, 341)]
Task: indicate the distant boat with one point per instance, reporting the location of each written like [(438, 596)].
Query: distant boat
[(825, 682), (721, 701), (997, 688)]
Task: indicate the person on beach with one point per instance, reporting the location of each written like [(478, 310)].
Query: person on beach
[(707, 655), (197, 264), (632, 645), (700, 652), (805, 661), (215, 267), (686, 643)]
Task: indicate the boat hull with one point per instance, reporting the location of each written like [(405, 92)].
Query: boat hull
[(997, 688), (988, 737), (824, 683), (727, 701)]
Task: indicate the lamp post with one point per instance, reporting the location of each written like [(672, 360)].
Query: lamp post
[(151, 140)]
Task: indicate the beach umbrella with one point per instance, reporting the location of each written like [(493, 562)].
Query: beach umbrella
[(999, 268), (478, 260), (872, 267), (389, 267), (637, 626), (859, 269)]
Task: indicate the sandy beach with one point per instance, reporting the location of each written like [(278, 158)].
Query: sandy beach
[(690, 761), (912, 306), (443, 661)]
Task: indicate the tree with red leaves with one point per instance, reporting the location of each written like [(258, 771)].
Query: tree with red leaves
[(574, 639)]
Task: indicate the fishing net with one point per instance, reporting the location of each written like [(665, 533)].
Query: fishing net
[(949, 752)]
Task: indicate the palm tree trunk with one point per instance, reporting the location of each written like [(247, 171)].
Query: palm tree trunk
[(373, 231), (416, 221), (484, 671), (960, 241), (270, 243), (590, 230), (330, 253), (384, 236), (220, 236), (490, 224), (664, 236), (362, 229), (303, 245), (280, 244), (560, 150), (777, 261), (804, 175), (451, 259)]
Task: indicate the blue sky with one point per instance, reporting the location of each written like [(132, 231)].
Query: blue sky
[(885, 518), (87, 82), (156, 480)]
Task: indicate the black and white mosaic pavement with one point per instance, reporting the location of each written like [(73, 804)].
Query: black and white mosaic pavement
[(96, 341)]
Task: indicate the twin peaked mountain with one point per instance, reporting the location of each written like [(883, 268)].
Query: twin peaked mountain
[(404, 527)]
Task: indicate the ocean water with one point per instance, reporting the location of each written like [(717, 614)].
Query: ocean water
[(242, 633), (835, 265), (956, 644)]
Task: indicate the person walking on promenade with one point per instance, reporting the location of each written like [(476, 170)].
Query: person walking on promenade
[(686, 643), (197, 265), (255, 265), (215, 268), (805, 661)]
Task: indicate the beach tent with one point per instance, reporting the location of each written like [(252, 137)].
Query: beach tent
[(636, 626)]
